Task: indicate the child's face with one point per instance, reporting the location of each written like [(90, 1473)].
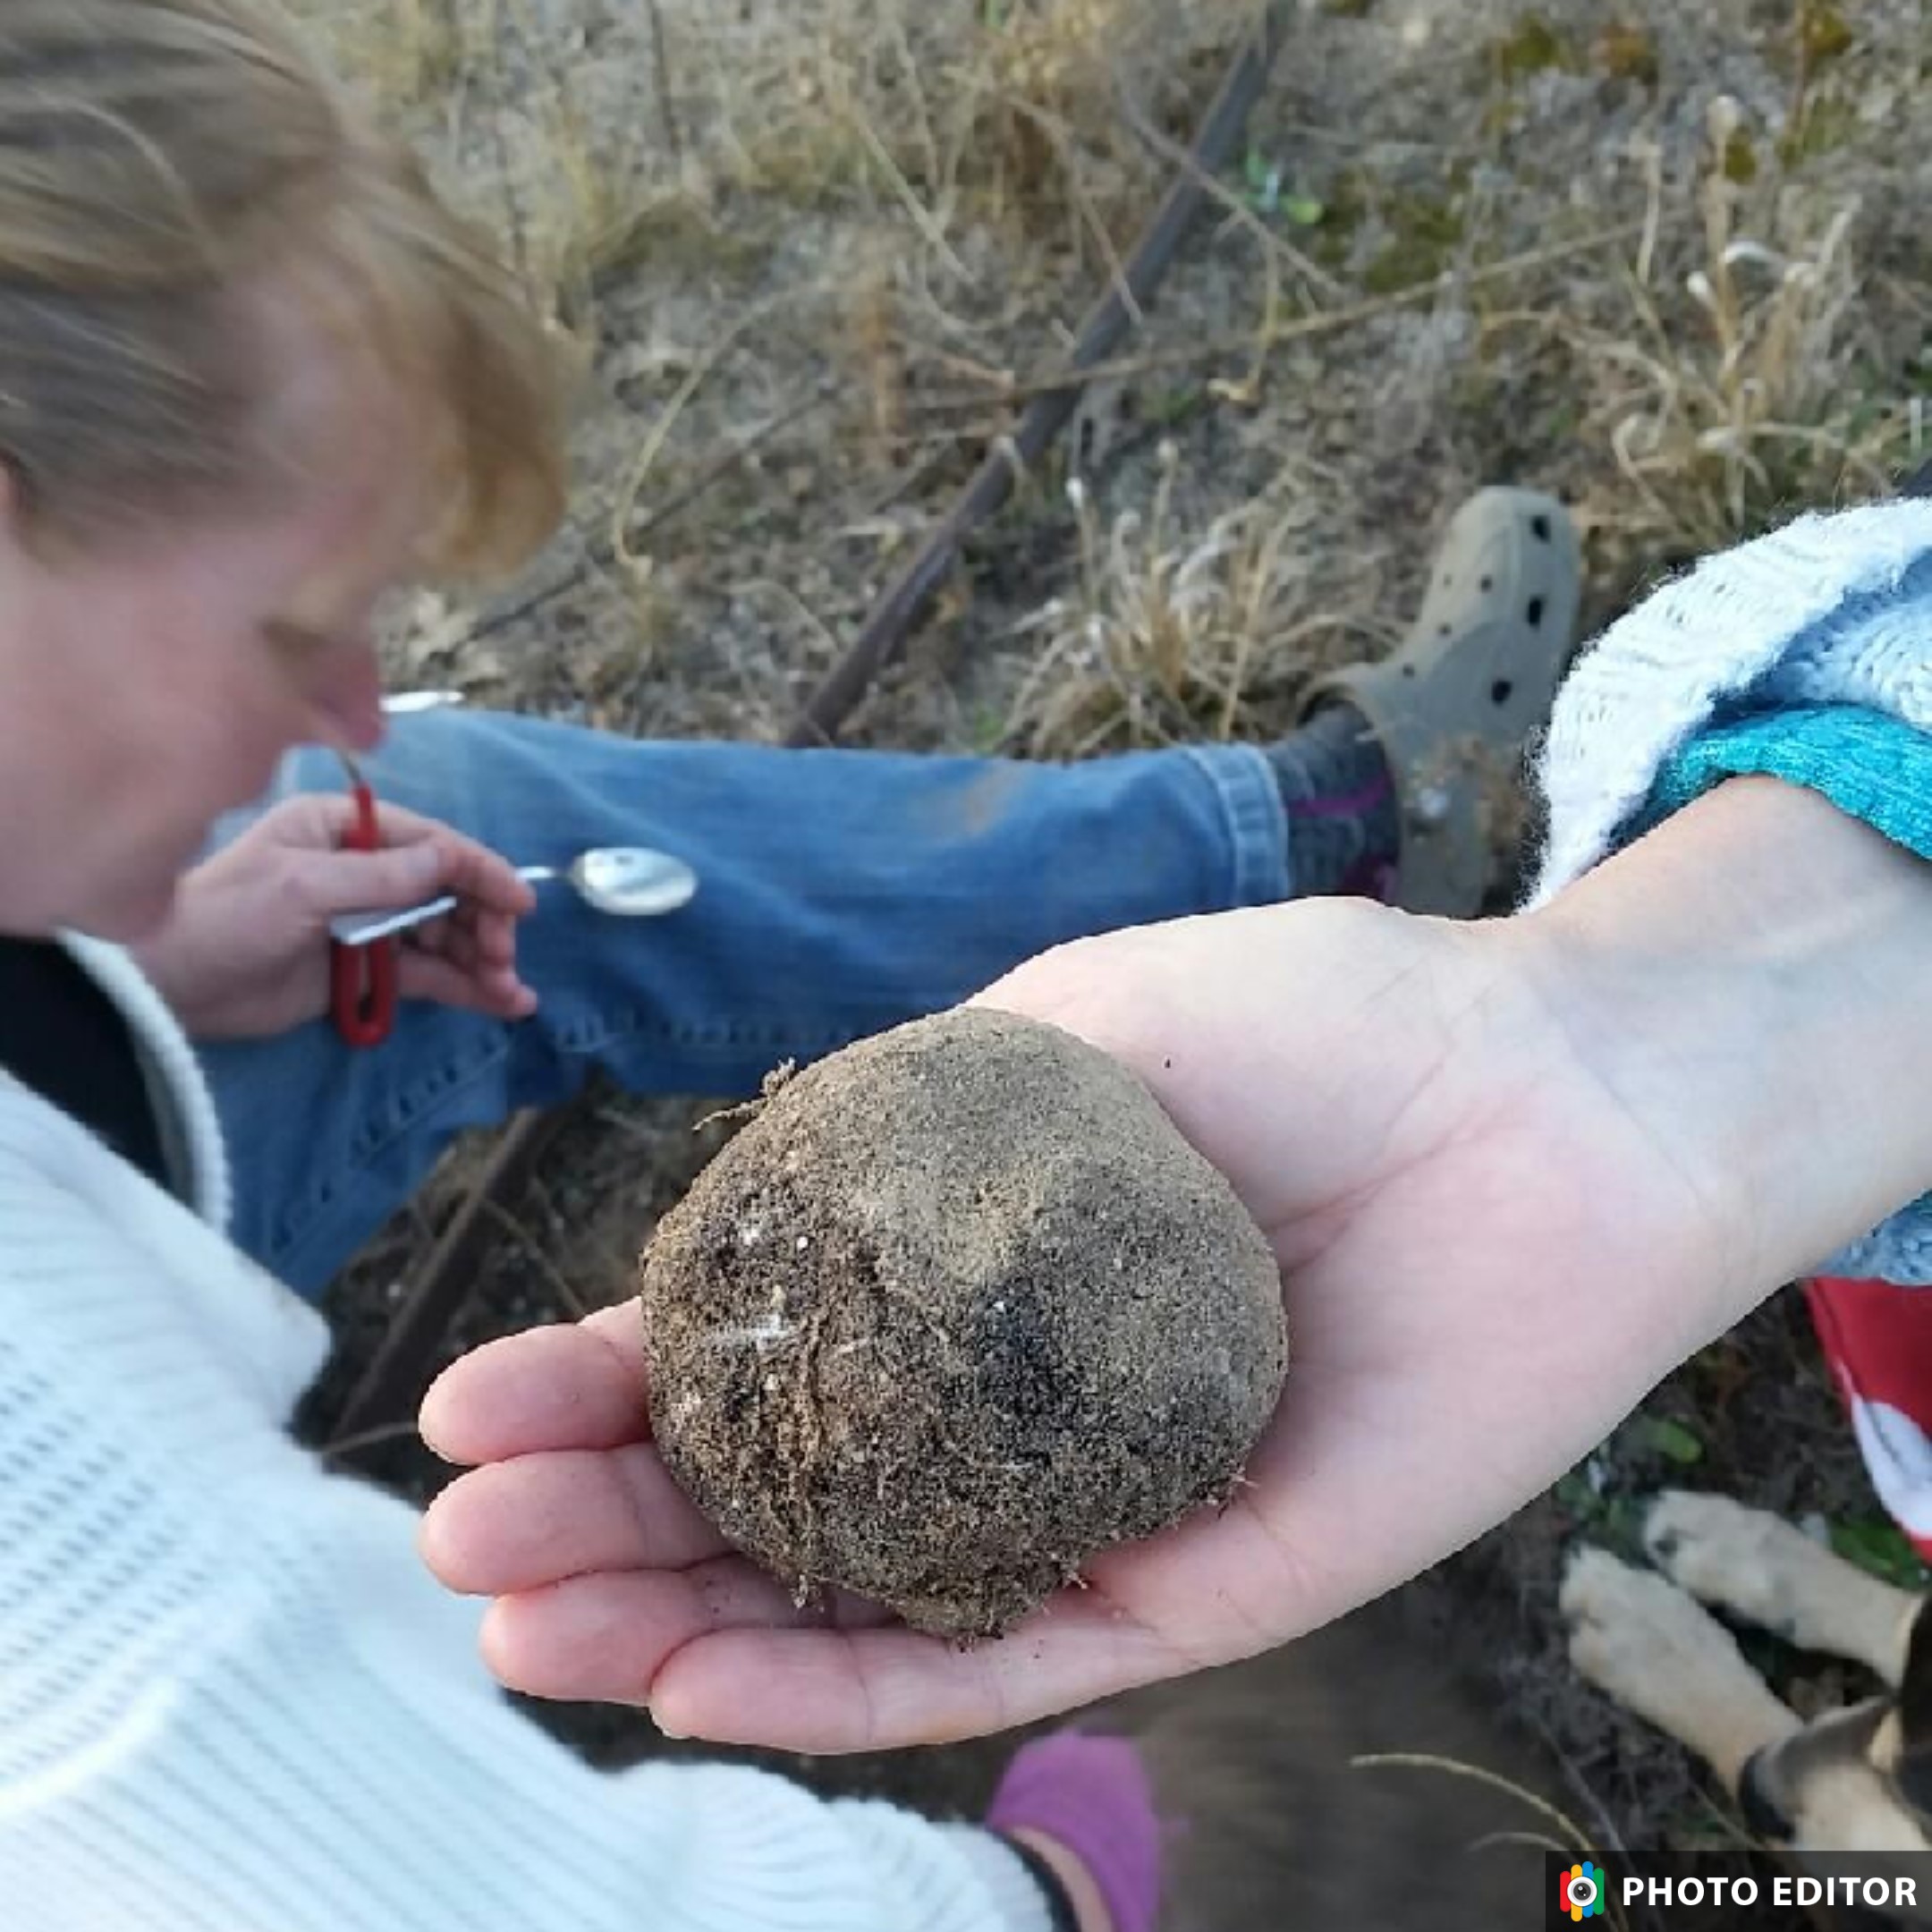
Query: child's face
[(149, 687)]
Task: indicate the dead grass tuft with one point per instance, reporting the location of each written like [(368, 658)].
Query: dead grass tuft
[(1729, 401), (1173, 634)]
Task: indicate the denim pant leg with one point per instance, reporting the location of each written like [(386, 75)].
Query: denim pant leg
[(841, 893)]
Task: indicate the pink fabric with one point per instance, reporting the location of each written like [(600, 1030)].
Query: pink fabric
[(1092, 1795), (1370, 877), (1346, 805)]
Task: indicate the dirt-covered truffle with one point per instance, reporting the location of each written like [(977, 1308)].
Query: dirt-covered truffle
[(957, 1308)]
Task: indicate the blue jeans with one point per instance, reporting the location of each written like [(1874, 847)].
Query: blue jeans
[(841, 893)]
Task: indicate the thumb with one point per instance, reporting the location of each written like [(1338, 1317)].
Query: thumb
[(396, 875)]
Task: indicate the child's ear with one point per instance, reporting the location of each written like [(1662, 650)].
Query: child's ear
[(1914, 1707)]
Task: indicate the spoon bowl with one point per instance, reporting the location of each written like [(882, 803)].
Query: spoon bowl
[(624, 881)]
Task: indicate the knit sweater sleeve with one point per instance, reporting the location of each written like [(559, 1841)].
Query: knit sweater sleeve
[(230, 1695), (1805, 654)]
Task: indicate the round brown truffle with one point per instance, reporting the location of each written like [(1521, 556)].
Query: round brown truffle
[(957, 1308)]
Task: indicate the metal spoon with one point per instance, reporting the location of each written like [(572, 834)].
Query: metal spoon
[(405, 704), (627, 881)]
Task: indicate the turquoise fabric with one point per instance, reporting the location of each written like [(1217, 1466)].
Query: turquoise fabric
[(1867, 763)]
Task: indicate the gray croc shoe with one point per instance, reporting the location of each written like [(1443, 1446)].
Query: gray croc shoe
[(1453, 706)]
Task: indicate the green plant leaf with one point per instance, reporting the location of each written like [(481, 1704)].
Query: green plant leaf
[(1882, 1549), (1676, 1441), (1576, 1498)]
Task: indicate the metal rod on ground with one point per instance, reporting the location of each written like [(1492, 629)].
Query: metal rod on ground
[(398, 1372), (396, 1376), (1047, 414)]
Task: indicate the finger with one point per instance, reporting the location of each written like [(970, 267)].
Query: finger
[(420, 975), (470, 868), (448, 938), (443, 861), (326, 882), (541, 1519), (481, 877), (579, 1386), (494, 935), (819, 1691), (605, 1637), (474, 940)]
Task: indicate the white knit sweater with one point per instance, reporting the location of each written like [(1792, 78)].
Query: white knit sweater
[(231, 1699), (1831, 609), (1828, 610)]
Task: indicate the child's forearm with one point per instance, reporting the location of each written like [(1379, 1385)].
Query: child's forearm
[(1753, 984)]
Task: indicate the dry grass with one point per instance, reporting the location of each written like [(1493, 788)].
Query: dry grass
[(1174, 634), (1728, 397)]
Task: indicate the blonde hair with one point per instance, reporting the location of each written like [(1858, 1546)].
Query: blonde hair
[(159, 158)]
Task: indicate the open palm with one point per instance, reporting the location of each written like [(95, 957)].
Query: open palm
[(1485, 1261)]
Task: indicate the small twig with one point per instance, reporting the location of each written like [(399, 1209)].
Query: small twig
[(1055, 131), (1301, 330), (498, 106), (916, 88), (1653, 167), (936, 452), (647, 459), (733, 458), (1173, 152), (620, 1124), (923, 218), (999, 379), (393, 1379), (1458, 1767), (527, 607), (661, 61), (1610, 1838), (1571, 1831), (675, 505), (344, 1445), (1535, 1840), (568, 1298), (1794, 117), (791, 598)]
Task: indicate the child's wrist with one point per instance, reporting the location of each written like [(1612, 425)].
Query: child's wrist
[(1748, 984)]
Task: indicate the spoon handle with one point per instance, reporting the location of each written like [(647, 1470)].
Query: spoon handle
[(364, 928)]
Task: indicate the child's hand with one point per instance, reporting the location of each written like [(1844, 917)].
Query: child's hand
[(1459, 1225), (1514, 1174)]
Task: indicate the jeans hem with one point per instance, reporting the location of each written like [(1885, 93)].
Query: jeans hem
[(1252, 820)]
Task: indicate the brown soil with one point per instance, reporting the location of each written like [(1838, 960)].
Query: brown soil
[(958, 1309)]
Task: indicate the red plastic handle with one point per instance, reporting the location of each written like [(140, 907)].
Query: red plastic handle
[(362, 979)]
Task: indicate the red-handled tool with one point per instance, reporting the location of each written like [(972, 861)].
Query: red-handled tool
[(362, 979)]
